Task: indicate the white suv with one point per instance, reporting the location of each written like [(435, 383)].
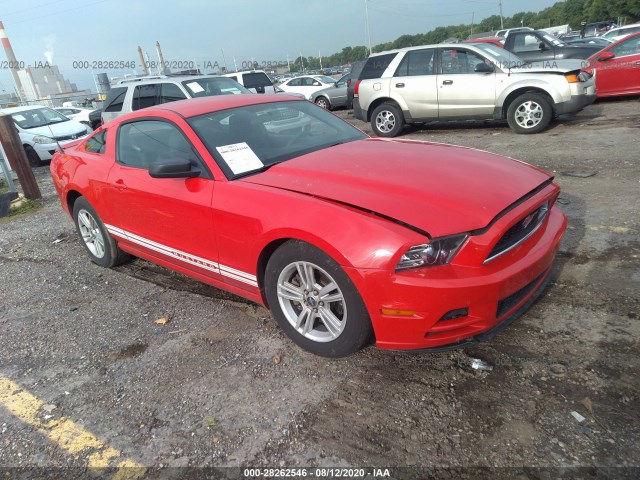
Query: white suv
[(136, 93), (465, 82), (42, 130)]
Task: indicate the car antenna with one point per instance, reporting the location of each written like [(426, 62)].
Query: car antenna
[(54, 137)]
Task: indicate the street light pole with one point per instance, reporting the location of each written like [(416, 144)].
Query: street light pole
[(366, 13), (501, 19)]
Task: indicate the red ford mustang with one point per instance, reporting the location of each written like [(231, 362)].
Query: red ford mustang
[(347, 239)]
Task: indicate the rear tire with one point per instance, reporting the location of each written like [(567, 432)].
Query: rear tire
[(387, 120), (102, 247), (314, 301), (529, 113), (32, 156)]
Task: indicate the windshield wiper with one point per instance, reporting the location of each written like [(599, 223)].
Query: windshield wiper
[(264, 168)]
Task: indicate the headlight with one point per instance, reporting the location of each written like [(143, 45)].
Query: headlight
[(439, 252), (43, 139)]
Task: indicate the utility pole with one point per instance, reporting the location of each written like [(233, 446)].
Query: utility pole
[(473, 14), (366, 13), (501, 19), (17, 157), (224, 60)]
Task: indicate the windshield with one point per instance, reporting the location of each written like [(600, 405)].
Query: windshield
[(500, 57), (553, 40), (325, 79), (247, 140), (37, 117), (208, 87)]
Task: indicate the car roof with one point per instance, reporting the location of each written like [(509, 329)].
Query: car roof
[(418, 47), (193, 107), (158, 79), (21, 109), (625, 27)]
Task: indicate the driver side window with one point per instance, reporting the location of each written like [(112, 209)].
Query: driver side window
[(526, 43), (143, 142)]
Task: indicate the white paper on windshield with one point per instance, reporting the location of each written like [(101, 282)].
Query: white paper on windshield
[(195, 87), (19, 118), (240, 158)]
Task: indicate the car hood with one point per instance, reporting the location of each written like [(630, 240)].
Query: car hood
[(550, 66), (436, 188), (61, 129)]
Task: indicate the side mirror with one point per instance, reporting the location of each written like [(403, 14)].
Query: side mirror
[(542, 46), (483, 68), (604, 56), (173, 168)]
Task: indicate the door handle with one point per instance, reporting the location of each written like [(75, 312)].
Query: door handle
[(120, 185), (448, 82), (637, 63), (400, 85)]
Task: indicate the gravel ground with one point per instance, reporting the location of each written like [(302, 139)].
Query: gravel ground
[(221, 386)]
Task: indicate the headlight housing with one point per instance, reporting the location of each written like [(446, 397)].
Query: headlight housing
[(43, 139), (439, 252)]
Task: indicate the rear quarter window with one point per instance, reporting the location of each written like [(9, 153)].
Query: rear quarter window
[(255, 79), (375, 66), (96, 144), (115, 99)]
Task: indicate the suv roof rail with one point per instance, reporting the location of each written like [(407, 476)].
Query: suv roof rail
[(140, 79)]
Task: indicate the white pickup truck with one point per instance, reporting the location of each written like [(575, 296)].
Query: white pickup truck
[(467, 81)]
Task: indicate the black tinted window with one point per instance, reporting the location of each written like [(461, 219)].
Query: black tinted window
[(144, 96), (115, 99), (96, 144), (416, 62), (170, 92), (375, 66), (144, 142), (255, 79)]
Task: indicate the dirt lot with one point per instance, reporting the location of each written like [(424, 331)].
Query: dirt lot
[(221, 386)]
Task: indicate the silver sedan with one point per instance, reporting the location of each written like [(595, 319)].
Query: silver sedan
[(334, 96)]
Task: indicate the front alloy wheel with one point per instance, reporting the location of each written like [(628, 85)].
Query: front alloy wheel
[(312, 302), (529, 113), (315, 302)]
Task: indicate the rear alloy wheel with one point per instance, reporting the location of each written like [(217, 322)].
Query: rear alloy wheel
[(314, 301), (32, 156), (529, 113), (323, 102), (103, 249), (387, 120)]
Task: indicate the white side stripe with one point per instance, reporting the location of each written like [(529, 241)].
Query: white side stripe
[(185, 257)]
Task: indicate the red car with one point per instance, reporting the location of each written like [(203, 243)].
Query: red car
[(617, 68), (347, 239)]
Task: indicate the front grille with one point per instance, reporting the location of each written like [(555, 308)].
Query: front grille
[(514, 299), (519, 232), (71, 137)]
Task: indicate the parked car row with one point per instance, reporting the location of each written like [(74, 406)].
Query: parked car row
[(466, 81), (484, 80)]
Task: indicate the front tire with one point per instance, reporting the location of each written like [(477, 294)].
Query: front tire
[(314, 301), (103, 249), (323, 102), (387, 120), (529, 113), (32, 156)]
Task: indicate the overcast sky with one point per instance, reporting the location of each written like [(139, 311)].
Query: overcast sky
[(71, 31)]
